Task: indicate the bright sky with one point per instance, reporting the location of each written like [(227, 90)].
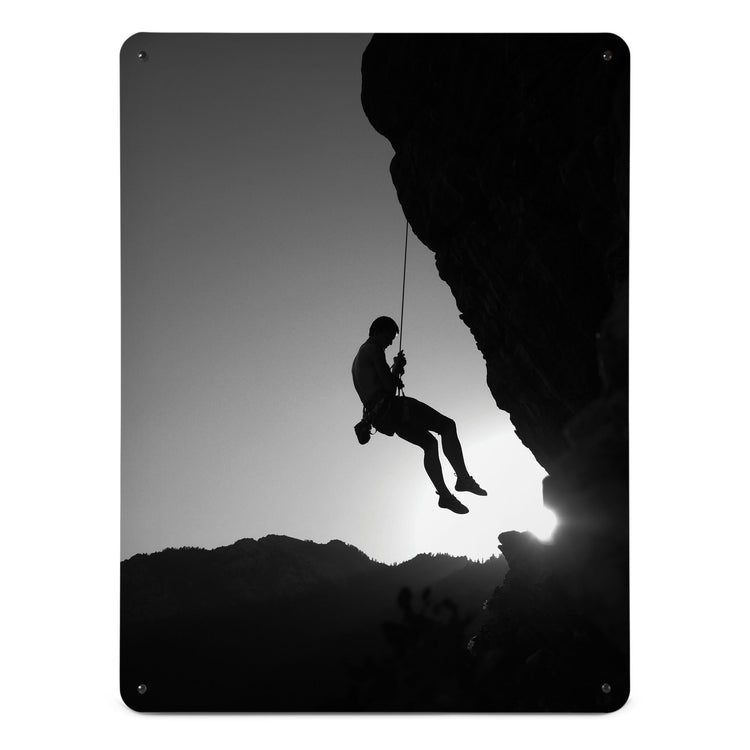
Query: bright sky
[(261, 236)]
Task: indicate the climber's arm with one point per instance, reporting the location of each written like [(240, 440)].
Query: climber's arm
[(388, 379)]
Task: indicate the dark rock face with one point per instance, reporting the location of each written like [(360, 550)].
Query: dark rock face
[(511, 165), (512, 169)]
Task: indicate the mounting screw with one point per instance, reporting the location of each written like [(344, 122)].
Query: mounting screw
[(607, 55), (606, 688), (141, 689), (143, 55)]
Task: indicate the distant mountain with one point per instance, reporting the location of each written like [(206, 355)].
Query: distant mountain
[(296, 615), (176, 581)]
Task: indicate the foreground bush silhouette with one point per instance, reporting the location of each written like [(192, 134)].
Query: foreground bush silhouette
[(429, 668)]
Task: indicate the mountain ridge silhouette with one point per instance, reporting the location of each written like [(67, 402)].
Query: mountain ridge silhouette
[(275, 623), (273, 567)]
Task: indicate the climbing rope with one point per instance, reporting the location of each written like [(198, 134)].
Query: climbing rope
[(403, 291), (403, 287)]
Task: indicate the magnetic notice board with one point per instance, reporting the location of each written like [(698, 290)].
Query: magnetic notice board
[(297, 209)]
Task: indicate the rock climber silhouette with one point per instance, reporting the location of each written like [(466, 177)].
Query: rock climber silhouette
[(377, 385)]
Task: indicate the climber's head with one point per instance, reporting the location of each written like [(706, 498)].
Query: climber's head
[(383, 330)]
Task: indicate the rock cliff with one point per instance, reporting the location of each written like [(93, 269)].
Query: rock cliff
[(511, 165)]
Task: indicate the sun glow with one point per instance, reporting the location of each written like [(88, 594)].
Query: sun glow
[(543, 525)]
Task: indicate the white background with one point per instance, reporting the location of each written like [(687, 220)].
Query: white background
[(60, 377)]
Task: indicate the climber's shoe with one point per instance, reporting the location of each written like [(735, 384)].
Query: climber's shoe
[(468, 484), (449, 502)]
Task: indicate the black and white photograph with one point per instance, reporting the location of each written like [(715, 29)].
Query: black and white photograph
[(375, 350), (374, 375)]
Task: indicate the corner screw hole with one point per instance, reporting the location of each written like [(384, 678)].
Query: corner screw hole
[(143, 55), (141, 689), (606, 688), (607, 55)]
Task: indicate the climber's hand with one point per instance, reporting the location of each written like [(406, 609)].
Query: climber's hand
[(399, 363)]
